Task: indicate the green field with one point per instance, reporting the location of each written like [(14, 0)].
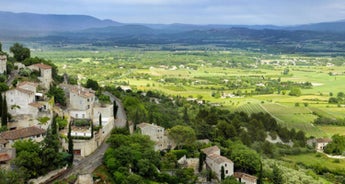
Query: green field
[(318, 160), (208, 75)]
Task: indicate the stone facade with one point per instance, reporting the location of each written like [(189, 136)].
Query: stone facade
[(46, 75), (215, 162), (3, 62), (157, 134)]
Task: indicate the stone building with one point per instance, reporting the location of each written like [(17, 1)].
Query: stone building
[(157, 134), (46, 75), (215, 162), (3, 63)]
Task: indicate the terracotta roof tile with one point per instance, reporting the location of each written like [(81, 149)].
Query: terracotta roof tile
[(83, 92), (4, 157), (22, 133), (42, 66)]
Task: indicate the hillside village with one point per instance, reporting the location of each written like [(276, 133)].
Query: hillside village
[(29, 112), (32, 112)]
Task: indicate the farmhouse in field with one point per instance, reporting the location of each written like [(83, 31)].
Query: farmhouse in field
[(319, 143), (215, 162), (157, 134)]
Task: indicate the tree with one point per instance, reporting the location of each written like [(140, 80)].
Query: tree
[(20, 53), (92, 84), (182, 135), (277, 175), (222, 173), (4, 112), (337, 146), (58, 94), (3, 87), (295, 91), (115, 108), (70, 145), (54, 125), (185, 115), (100, 119), (202, 157)]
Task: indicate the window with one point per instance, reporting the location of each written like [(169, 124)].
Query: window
[(225, 165), (226, 172)]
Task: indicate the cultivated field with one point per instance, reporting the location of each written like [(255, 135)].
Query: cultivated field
[(235, 80)]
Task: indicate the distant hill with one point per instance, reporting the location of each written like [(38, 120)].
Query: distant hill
[(337, 26), (48, 22)]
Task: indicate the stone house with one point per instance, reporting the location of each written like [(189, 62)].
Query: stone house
[(34, 133), (22, 101), (245, 178), (3, 63), (18, 100), (319, 144), (215, 162), (46, 75), (81, 101), (156, 134)]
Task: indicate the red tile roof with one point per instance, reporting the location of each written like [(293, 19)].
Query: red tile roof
[(22, 133), (4, 157), (42, 66)]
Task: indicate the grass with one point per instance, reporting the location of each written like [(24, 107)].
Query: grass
[(332, 130), (317, 160), (200, 73)]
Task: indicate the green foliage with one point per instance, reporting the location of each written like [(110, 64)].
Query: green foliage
[(103, 99), (92, 84), (295, 91), (182, 135), (230, 180), (20, 53), (61, 122), (43, 120), (245, 159), (277, 177), (58, 94), (13, 177), (337, 146), (3, 87)]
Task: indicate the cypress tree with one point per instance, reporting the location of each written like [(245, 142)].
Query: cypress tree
[(91, 129), (70, 144), (201, 161), (4, 112), (222, 173), (100, 120), (54, 125), (1, 101), (115, 108)]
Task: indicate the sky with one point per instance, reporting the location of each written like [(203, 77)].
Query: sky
[(249, 12)]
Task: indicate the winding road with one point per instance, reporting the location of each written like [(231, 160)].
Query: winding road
[(90, 163)]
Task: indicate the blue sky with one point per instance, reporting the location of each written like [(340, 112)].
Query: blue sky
[(259, 12)]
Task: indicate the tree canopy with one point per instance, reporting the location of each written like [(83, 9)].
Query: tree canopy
[(20, 53), (182, 135)]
